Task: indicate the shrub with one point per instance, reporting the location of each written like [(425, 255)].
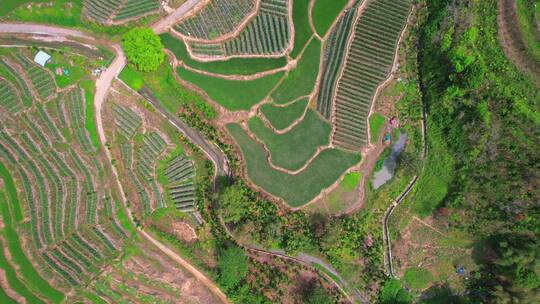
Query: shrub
[(233, 267)]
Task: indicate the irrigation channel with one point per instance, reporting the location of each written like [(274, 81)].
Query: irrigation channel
[(218, 158)]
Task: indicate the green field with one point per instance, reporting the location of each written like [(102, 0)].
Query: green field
[(350, 181), (232, 94), (9, 6), (60, 12), (376, 122), (325, 12), (282, 117), (171, 94), (90, 124), (300, 81), (417, 278), (527, 15), (10, 272), (233, 66), (294, 148), (302, 30), (298, 189), (130, 77), (32, 278)]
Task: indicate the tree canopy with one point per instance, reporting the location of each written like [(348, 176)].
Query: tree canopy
[(233, 267), (143, 49)]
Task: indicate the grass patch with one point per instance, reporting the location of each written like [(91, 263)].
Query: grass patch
[(232, 94), (350, 181), (130, 77), (90, 123), (380, 161), (61, 12), (233, 66), (325, 12), (433, 184), (11, 5), (376, 123), (171, 94), (124, 220), (29, 274), (417, 278), (300, 81), (76, 72), (294, 148), (527, 14), (298, 189), (302, 29), (282, 117)]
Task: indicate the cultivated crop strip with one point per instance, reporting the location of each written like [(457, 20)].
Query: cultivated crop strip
[(69, 226), (218, 18), (369, 61), (268, 33), (105, 11)]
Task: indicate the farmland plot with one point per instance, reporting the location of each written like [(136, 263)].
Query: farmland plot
[(140, 156), (369, 61), (216, 19), (280, 117), (298, 189), (46, 148), (294, 148), (268, 33), (152, 162), (105, 11), (334, 53)]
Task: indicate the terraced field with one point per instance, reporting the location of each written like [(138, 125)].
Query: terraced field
[(334, 54), (105, 11), (140, 157), (341, 54), (281, 117), (369, 61), (70, 226), (42, 81), (153, 163), (266, 34), (297, 189), (293, 149), (216, 19)]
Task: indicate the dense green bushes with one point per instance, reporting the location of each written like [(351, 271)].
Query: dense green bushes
[(484, 113)]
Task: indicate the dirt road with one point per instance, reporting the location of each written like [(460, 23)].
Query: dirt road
[(38, 29), (200, 276)]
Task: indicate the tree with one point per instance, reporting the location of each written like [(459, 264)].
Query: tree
[(393, 292), (233, 267), (234, 203), (143, 49)]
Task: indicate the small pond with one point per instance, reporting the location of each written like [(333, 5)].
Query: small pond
[(389, 165)]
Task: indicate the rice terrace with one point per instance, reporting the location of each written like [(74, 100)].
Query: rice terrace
[(269, 151)]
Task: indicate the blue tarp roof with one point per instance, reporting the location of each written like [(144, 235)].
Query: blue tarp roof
[(41, 58)]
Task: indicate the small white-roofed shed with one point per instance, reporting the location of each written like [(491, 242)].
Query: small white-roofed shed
[(42, 58)]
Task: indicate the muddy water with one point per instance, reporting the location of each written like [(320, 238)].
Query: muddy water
[(389, 166)]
